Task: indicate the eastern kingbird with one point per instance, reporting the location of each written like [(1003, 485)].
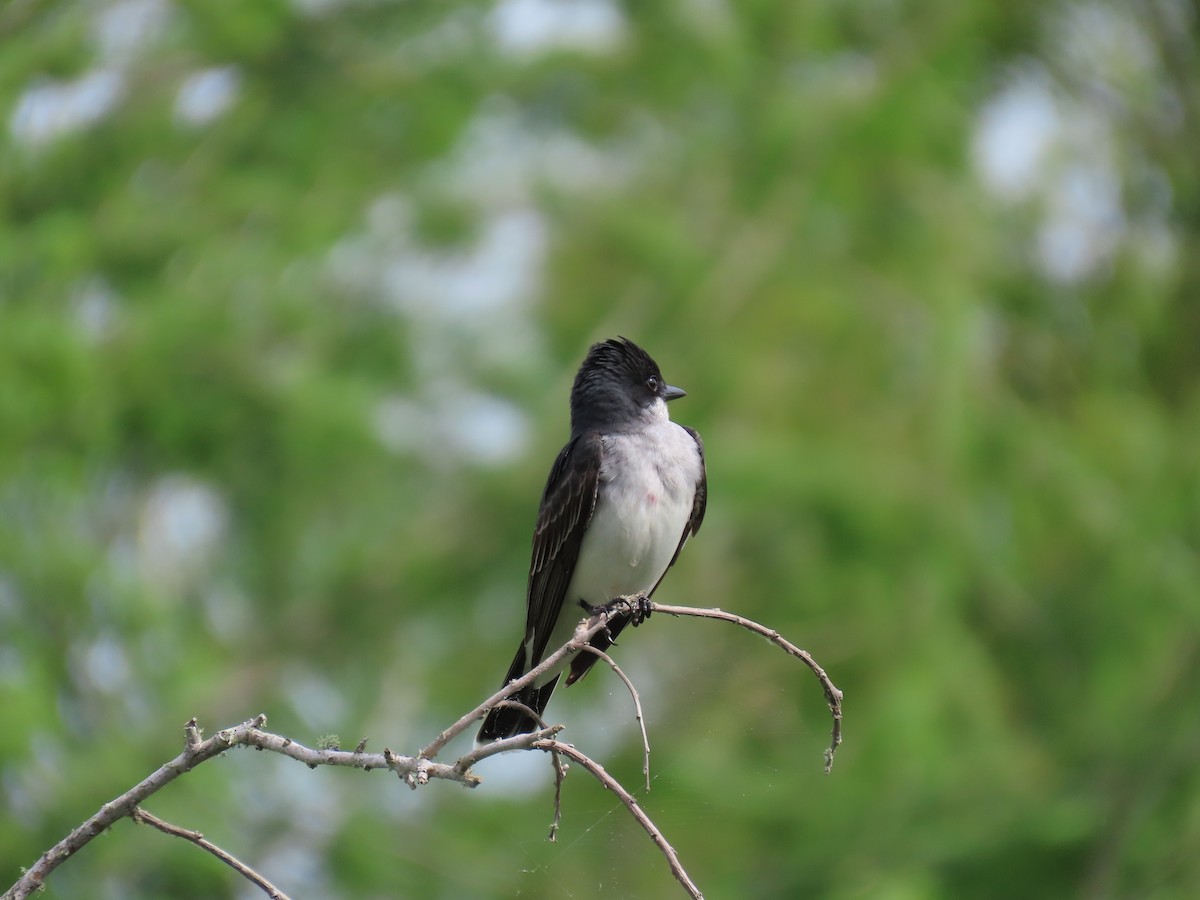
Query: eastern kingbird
[(623, 497)]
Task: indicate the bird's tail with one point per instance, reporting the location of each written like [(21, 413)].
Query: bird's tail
[(506, 721)]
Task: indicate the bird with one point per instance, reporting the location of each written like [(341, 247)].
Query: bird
[(623, 497)]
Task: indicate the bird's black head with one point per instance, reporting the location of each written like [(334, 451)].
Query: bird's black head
[(617, 387)]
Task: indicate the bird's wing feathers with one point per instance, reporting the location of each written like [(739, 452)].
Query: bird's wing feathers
[(567, 506)]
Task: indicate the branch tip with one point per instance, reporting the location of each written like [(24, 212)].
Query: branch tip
[(833, 696)]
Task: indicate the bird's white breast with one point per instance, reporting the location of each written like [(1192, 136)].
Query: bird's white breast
[(648, 484)]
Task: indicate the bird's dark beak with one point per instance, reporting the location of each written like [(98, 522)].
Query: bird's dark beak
[(670, 392)]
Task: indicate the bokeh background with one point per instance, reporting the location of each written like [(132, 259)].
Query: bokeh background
[(291, 296)]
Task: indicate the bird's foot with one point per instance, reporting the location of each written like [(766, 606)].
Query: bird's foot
[(637, 606)]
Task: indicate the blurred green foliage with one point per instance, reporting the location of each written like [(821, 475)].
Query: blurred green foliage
[(291, 295)]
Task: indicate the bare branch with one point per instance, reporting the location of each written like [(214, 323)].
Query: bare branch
[(584, 632), (418, 770), (637, 709), (631, 804), (516, 742), (833, 697), (140, 815), (413, 770), (195, 752)]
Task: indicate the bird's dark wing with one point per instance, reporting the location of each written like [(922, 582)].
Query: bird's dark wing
[(567, 506), (698, 504)]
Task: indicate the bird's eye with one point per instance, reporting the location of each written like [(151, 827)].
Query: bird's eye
[(653, 384)]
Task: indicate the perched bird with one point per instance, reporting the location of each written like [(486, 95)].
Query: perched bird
[(623, 497)]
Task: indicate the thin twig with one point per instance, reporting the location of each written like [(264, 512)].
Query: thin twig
[(637, 709), (833, 696), (140, 815), (516, 742), (584, 632), (560, 772), (544, 731), (631, 804)]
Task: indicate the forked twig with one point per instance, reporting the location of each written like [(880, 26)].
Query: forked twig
[(413, 771), (584, 632)]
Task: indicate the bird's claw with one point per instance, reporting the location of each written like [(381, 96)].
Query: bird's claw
[(636, 606)]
